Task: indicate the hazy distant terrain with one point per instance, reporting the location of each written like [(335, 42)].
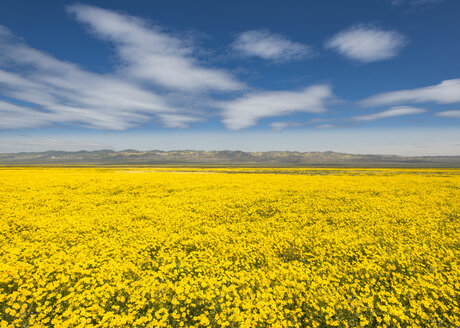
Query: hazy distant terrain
[(191, 157)]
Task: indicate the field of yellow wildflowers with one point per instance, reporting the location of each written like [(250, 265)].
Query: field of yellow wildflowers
[(152, 247)]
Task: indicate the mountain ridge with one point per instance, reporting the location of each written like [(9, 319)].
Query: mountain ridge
[(221, 157)]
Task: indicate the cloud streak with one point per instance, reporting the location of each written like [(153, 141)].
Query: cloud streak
[(449, 113), (270, 46), (245, 111), (392, 112), (15, 117), (447, 92), (150, 55), (366, 44), (62, 92), (177, 120), (414, 3), (282, 125)]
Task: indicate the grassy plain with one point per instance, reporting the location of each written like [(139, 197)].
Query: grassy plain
[(229, 247)]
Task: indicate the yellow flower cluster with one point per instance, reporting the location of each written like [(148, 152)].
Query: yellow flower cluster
[(152, 247)]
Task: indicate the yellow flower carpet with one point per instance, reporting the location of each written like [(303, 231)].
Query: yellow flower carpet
[(229, 247)]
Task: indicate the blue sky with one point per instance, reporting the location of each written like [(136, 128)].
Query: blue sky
[(371, 76)]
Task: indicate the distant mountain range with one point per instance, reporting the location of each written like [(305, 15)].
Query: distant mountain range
[(225, 157)]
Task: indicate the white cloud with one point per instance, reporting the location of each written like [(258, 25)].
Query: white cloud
[(270, 46), (446, 92), (151, 55), (247, 110), (157, 80), (66, 93), (177, 120), (282, 125), (449, 113), (366, 43), (326, 126), (414, 3), (14, 116), (392, 112)]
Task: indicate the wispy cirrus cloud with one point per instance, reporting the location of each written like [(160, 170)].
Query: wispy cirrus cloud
[(367, 44), (326, 126), (414, 3), (41, 90), (392, 112), (447, 92), (282, 125), (178, 120), (449, 113), (270, 46), (15, 117), (151, 55), (245, 111), (62, 92)]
